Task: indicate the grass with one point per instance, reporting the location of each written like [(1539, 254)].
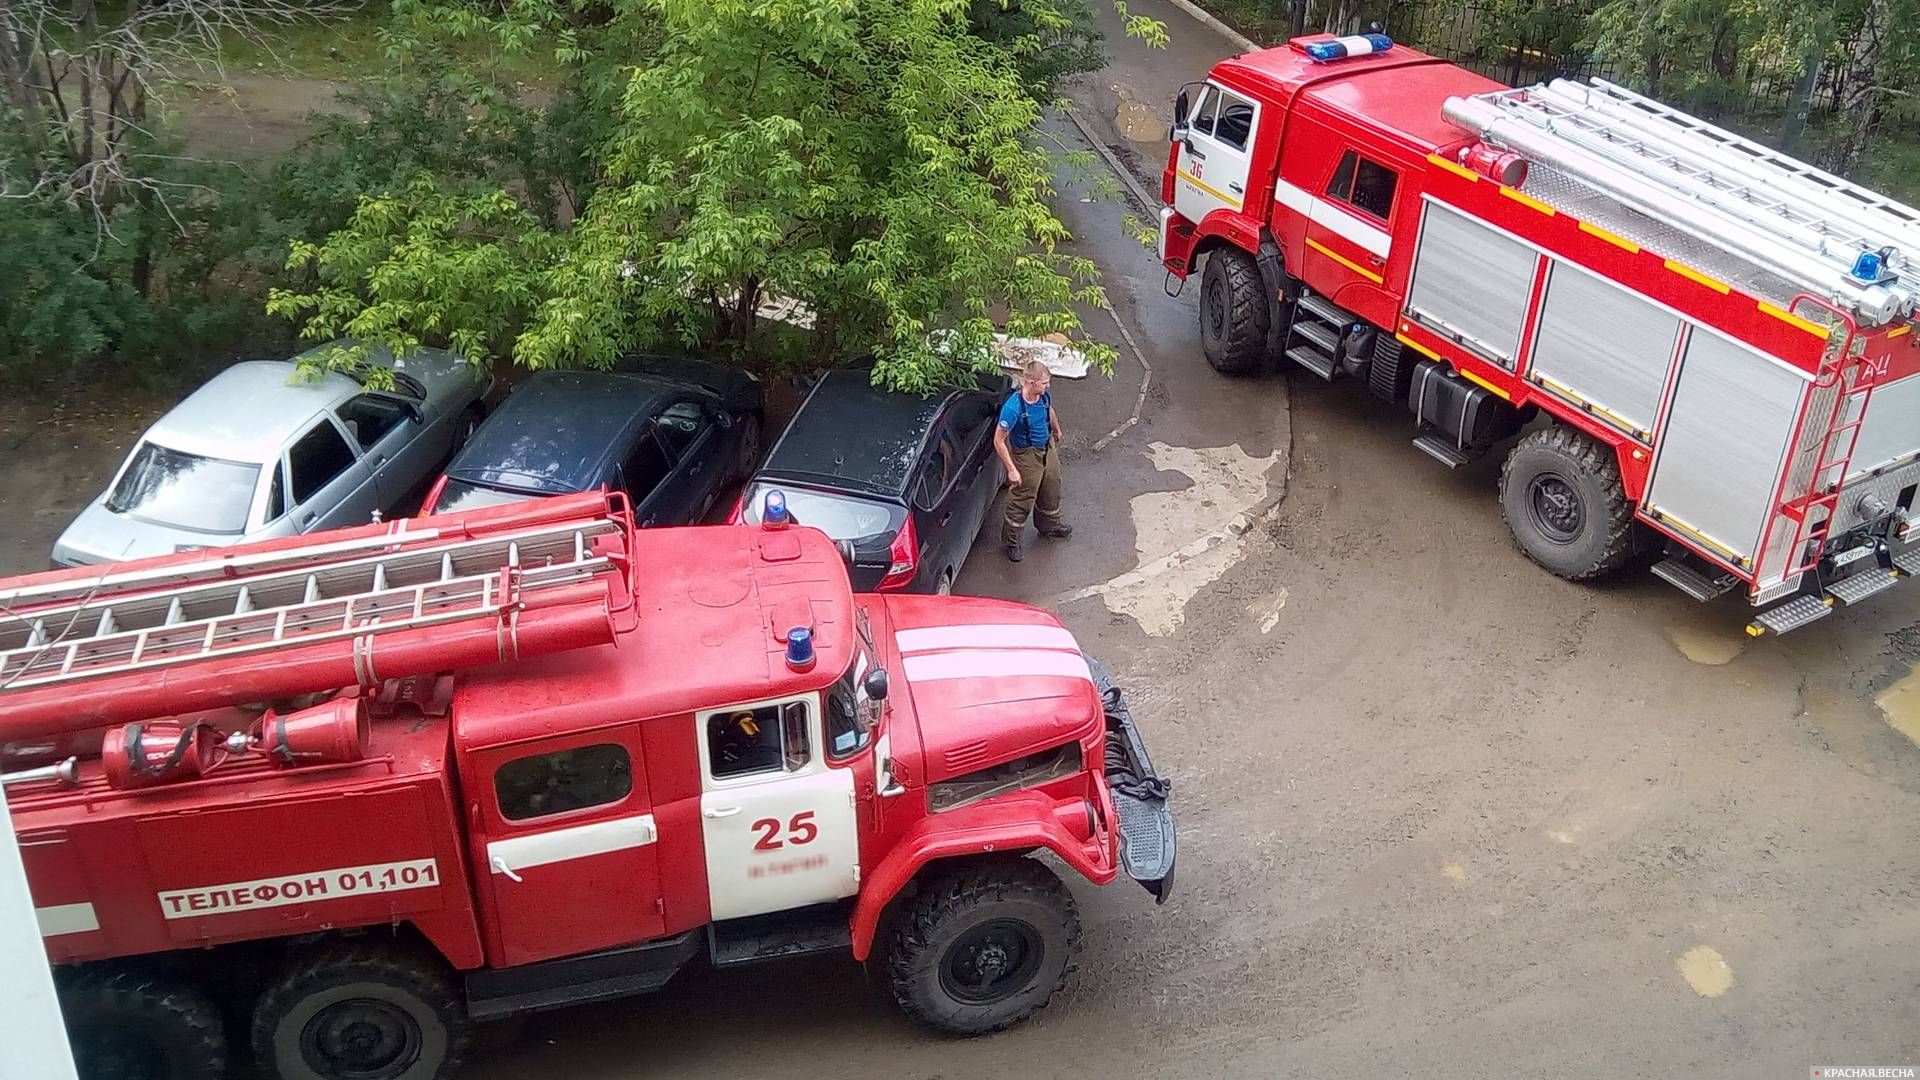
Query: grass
[(348, 49)]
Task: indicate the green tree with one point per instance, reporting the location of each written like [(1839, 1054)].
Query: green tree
[(871, 159)]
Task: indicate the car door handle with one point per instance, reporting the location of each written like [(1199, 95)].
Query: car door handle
[(1377, 260), (307, 519), (499, 866), (720, 812), (1236, 189)]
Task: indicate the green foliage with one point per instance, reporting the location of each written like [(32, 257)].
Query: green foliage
[(874, 161)]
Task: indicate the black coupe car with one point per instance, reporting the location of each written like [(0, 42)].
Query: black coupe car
[(907, 480), (672, 439)]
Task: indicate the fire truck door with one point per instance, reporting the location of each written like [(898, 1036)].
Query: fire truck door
[(1211, 172), (1347, 236), (778, 822), (568, 846)]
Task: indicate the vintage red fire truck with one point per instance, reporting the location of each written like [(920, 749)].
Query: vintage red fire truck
[(528, 757), (1720, 337)]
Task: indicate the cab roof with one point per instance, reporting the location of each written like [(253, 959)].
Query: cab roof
[(1398, 91), (713, 606)]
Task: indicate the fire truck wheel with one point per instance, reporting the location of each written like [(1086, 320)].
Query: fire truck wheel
[(983, 945), (1561, 495), (360, 1012), (127, 1025), (1233, 312)]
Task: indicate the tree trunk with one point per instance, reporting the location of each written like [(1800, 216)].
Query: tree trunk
[(1796, 123), (1860, 108)]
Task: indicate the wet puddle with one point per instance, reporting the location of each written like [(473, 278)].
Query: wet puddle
[(1703, 646), (1139, 122), (1706, 971), (1900, 704)]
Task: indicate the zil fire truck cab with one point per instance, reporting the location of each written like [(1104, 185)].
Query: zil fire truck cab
[(526, 757), (1720, 337)]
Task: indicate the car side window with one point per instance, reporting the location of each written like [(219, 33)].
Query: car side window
[(554, 783), (645, 467), (1200, 120), (768, 739), (938, 470), (316, 459), (1364, 184), (680, 426), (277, 493), (1235, 122), (369, 417), (975, 419)]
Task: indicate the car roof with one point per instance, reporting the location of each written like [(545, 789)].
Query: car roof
[(250, 410), (850, 433), (560, 430)]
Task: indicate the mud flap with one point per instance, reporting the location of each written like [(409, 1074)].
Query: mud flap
[(1139, 794)]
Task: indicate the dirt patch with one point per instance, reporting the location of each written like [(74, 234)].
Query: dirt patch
[(253, 116)]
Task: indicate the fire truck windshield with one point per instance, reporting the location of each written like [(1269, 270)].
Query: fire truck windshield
[(852, 713)]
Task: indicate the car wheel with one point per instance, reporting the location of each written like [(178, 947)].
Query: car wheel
[(748, 456), (945, 587)]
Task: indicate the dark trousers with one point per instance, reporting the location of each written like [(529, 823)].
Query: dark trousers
[(1039, 477)]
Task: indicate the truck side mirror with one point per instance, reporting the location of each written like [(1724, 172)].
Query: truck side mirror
[(876, 684), (1180, 106)]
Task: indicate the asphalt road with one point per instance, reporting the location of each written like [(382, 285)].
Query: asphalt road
[(1442, 815)]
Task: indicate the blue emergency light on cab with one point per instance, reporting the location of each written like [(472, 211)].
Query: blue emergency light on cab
[(773, 511), (1341, 48), (800, 648)]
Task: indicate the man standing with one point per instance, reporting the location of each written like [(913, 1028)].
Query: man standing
[(1027, 440)]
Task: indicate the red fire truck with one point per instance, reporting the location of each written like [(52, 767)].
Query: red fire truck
[(528, 757), (1719, 336)]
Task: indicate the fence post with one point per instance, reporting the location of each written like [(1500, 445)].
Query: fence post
[(1796, 123)]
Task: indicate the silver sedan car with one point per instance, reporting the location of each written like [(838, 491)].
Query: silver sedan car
[(259, 452)]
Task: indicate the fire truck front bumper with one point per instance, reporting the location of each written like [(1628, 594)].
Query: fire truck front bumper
[(1139, 794)]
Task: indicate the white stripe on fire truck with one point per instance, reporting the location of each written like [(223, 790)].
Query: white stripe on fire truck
[(992, 663), (578, 842), (1332, 216), (66, 919), (985, 636)]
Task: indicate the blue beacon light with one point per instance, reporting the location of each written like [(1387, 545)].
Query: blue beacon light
[(773, 511), (800, 648)]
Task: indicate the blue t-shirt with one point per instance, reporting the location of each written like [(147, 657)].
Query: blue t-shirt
[(1026, 424)]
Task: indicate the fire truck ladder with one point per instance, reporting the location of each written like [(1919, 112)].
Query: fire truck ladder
[(155, 618), (1790, 219)]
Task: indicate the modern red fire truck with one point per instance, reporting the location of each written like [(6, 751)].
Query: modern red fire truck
[(528, 757), (1720, 337)]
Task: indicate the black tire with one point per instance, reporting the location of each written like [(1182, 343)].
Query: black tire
[(1233, 312), (1561, 495), (983, 945), (129, 1026), (353, 1011)]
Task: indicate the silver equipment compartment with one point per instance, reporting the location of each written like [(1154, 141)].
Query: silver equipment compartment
[(1603, 346), (1471, 283), (1725, 441)]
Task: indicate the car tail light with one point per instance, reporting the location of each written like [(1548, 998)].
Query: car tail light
[(738, 515), (903, 557), (433, 496)]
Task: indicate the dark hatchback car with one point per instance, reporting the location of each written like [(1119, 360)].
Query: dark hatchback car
[(906, 480), (672, 444)]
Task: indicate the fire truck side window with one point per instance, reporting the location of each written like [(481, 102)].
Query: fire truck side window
[(771, 738), (1235, 122), (1365, 185), (563, 780), (1200, 121)]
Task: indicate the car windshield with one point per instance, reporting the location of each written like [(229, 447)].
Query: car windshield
[(842, 517), (187, 491), (459, 495)]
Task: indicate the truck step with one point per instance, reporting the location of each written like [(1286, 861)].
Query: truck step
[(1791, 615), (1324, 337), (1327, 311), (1320, 363), (1441, 449), (1908, 562), (1857, 587), (822, 928), (1684, 575), (575, 980)]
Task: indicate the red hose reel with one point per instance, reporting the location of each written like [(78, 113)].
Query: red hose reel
[(164, 752)]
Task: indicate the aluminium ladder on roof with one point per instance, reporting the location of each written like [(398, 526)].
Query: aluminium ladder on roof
[(1791, 219), (119, 622)]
